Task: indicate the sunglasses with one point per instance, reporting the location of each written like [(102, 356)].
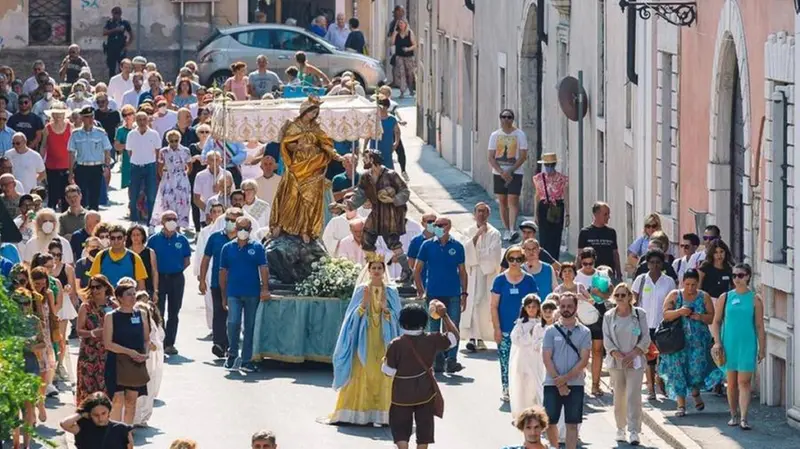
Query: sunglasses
[(740, 275), (115, 238), (516, 259), (56, 255), (202, 132), (441, 225), (620, 295), (587, 264), (685, 246), (709, 238), (650, 226), (430, 222), (25, 102), (506, 117), (18, 142), (230, 220), (96, 287)]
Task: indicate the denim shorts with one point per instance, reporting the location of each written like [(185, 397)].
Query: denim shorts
[(571, 403)]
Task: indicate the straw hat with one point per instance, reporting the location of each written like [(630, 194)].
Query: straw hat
[(549, 158), (57, 108)]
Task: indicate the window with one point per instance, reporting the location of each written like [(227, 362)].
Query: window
[(779, 175), (665, 169), (294, 41), (255, 38), (49, 21), (503, 102), (628, 104)]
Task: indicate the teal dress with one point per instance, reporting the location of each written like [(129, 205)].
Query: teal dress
[(739, 332), (125, 170), (691, 368)]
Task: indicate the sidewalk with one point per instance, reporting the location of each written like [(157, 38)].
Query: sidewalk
[(438, 186)]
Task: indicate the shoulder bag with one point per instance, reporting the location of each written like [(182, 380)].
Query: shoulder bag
[(131, 373), (568, 340), (669, 336), (438, 400), (553, 210)]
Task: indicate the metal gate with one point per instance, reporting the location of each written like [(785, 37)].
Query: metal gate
[(49, 22), (738, 163)]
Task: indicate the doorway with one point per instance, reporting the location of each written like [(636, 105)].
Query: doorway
[(738, 159)]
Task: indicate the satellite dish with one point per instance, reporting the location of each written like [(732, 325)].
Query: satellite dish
[(568, 91)]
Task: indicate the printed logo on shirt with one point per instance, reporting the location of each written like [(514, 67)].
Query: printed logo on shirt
[(251, 251), (178, 245), (506, 149), (452, 251)]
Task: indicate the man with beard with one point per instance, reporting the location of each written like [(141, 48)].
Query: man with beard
[(531, 422), (565, 351), (131, 97), (388, 193), (26, 122)]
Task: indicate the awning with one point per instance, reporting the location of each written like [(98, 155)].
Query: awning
[(343, 118)]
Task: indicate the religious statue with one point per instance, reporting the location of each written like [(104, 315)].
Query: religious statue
[(388, 194), (306, 151)]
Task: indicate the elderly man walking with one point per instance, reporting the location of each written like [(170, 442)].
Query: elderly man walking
[(483, 251), (338, 32)]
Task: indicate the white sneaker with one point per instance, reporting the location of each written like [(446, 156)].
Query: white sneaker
[(634, 439), (51, 390), (506, 235), (621, 436), (505, 397), (406, 177)]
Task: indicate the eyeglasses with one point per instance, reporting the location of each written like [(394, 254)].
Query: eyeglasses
[(507, 117), (24, 102), (620, 295), (116, 238), (202, 132), (516, 259), (230, 220), (740, 275)]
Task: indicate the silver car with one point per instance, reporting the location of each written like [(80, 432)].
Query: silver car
[(279, 43)]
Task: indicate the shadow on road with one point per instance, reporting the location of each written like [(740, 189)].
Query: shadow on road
[(176, 360)]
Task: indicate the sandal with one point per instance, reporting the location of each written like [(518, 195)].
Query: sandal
[(744, 425), (651, 396), (699, 405), (732, 422), (681, 412), (596, 391)]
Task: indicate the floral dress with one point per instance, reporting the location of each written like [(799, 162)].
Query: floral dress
[(92, 356), (174, 190), (692, 367)]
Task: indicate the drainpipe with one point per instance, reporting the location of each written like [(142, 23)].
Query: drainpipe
[(180, 33), (541, 38), (633, 77), (138, 27)]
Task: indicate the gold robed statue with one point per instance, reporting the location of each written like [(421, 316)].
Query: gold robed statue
[(306, 152)]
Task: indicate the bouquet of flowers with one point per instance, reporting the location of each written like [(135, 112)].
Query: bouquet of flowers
[(330, 278)]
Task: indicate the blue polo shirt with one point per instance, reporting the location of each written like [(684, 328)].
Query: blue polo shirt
[(413, 253), (213, 249), (442, 262), (511, 298), (242, 265), (170, 252)]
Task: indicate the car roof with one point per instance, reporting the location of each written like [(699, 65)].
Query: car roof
[(260, 26)]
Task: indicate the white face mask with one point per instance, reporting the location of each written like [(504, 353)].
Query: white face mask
[(48, 227), (105, 242), (79, 94), (229, 226), (162, 110), (242, 234), (171, 225), (48, 96)]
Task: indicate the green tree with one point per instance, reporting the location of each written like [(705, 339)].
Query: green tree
[(16, 386)]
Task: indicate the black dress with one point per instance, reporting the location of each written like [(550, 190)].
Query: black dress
[(148, 268), (92, 436), (128, 332)]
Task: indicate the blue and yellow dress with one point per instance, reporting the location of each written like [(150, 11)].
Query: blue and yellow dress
[(365, 393)]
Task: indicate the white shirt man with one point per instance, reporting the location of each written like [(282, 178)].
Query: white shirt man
[(26, 165), (143, 145), (268, 183), (338, 32), (650, 296), (336, 230), (119, 84), (483, 248), (163, 122)]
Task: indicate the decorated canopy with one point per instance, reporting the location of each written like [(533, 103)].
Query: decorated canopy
[(341, 117)]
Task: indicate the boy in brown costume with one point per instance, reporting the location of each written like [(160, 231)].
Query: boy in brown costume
[(409, 359)]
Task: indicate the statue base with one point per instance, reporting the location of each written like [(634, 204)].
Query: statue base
[(290, 258)]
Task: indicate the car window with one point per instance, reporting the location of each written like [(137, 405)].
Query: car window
[(291, 40), (254, 38)]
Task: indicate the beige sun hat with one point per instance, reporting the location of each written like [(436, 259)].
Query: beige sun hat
[(549, 158), (57, 108)]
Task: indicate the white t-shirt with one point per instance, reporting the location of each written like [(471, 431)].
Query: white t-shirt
[(117, 86), (165, 123), (143, 147), (26, 167), (507, 148), (652, 296)]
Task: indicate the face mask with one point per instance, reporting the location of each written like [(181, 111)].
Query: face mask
[(162, 110), (438, 232), (48, 96), (229, 227), (79, 94), (105, 242), (430, 228), (549, 169), (242, 234), (171, 225), (48, 227)]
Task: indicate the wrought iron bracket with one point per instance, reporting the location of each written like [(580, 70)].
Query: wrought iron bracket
[(678, 13)]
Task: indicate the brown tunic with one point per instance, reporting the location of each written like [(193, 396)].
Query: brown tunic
[(412, 384), (384, 218)]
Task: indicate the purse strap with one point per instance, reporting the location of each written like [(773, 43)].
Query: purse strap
[(424, 367), (544, 181)]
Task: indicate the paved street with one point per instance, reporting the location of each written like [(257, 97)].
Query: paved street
[(219, 409)]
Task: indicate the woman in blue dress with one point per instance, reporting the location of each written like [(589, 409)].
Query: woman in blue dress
[(508, 289), (691, 368), (740, 339)]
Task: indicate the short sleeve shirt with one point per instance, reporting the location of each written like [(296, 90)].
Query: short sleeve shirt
[(508, 148), (652, 296), (170, 252), (143, 147), (263, 83), (242, 265), (442, 262), (511, 297), (113, 436), (28, 124), (564, 357), (26, 167), (89, 146), (117, 40), (603, 240), (212, 250)]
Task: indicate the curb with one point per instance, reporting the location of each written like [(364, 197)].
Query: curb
[(656, 421)]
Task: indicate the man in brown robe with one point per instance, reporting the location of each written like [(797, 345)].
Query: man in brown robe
[(388, 194)]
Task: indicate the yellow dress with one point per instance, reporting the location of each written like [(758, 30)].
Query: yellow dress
[(298, 206), (367, 396)]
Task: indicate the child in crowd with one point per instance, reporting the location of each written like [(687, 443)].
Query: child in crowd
[(155, 364), (526, 368)]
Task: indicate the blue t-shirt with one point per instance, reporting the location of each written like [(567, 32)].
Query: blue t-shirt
[(242, 265), (442, 262), (413, 253), (10, 252), (341, 182), (544, 280), (213, 249), (5, 266), (386, 144), (511, 298), (170, 252)]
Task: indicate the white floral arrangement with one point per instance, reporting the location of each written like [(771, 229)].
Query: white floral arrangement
[(330, 278)]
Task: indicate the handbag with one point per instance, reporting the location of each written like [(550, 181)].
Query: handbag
[(669, 336), (438, 400), (554, 211), (131, 373)]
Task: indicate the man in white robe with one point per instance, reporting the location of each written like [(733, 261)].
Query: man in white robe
[(483, 249)]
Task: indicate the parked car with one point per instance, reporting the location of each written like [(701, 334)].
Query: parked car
[(279, 43)]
